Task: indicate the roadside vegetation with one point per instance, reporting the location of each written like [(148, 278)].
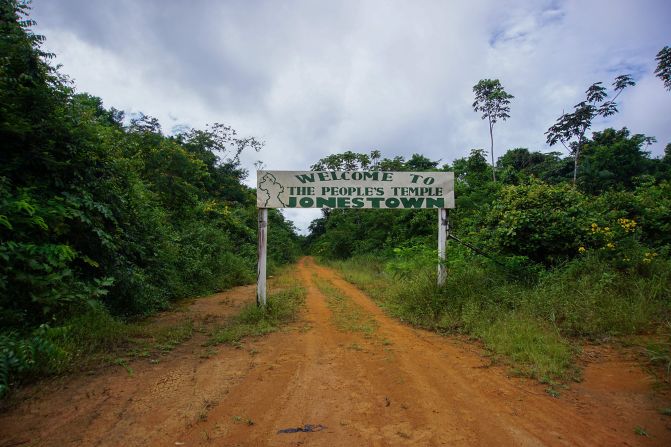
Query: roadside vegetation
[(106, 218), (557, 263), (282, 307)]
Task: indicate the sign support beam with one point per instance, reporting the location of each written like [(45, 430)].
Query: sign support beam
[(261, 256), (443, 229)]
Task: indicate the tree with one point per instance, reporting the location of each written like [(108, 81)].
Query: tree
[(613, 159), (471, 170), (493, 101), (518, 164), (420, 163), (663, 70), (570, 128), (346, 161), (375, 159)]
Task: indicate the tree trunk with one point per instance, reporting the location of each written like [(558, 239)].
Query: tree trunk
[(575, 159), (491, 139)]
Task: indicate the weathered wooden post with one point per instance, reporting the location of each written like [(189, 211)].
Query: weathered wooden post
[(443, 228), (261, 254)]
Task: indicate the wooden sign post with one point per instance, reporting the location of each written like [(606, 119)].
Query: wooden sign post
[(261, 255), (443, 229), (352, 189)]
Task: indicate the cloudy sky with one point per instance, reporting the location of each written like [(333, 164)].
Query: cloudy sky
[(313, 77)]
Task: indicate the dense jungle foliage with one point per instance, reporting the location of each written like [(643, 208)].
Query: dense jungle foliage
[(104, 218)]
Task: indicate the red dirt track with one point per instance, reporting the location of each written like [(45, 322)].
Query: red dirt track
[(401, 386)]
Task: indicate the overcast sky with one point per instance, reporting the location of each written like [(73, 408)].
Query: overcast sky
[(312, 78)]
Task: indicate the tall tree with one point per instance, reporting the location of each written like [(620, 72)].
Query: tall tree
[(663, 70), (570, 128), (375, 159), (494, 103)]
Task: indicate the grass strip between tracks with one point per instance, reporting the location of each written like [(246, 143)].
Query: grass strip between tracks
[(283, 307), (347, 316)]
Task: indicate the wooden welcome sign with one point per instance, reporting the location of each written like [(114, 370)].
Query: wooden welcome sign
[(351, 189)]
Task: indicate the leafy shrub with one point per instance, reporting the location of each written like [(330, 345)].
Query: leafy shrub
[(24, 356), (408, 260), (39, 280), (543, 222)]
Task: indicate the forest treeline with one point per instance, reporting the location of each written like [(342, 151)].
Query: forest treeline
[(532, 211), (102, 216)]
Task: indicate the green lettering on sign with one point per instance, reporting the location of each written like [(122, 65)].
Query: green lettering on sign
[(355, 189)]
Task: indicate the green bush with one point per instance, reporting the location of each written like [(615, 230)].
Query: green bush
[(22, 356), (544, 222)]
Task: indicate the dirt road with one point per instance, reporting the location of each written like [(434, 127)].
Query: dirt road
[(391, 385)]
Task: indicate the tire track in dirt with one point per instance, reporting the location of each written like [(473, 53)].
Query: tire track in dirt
[(400, 386)]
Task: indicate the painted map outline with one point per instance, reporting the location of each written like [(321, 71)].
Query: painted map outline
[(271, 187)]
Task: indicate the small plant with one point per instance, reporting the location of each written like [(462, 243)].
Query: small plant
[(552, 392), (640, 431), (123, 363), (169, 338), (208, 352), (25, 356), (243, 420), (660, 353)]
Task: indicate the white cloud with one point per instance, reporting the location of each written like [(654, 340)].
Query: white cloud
[(313, 78)]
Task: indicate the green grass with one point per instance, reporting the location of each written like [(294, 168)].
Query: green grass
[(640, 431), (535, 349), (347, 316), (532, 322), (282, 307), (87, 339), (659, 352), (367, 272), (168, 338)]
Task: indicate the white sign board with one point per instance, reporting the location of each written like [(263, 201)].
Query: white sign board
[(354, 189)]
